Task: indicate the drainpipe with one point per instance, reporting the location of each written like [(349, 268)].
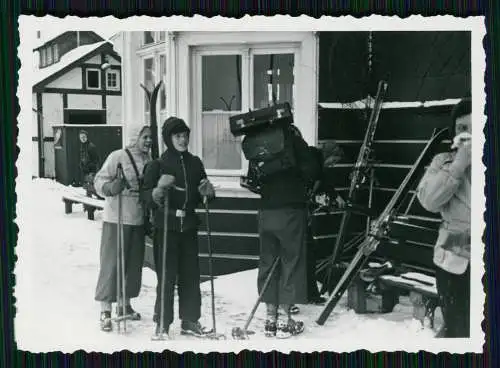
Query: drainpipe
[(41, 144)]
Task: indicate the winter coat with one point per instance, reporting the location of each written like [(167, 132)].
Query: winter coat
[(288, 188), (442, 190), (188, 171), (132, 208), (89, 158)]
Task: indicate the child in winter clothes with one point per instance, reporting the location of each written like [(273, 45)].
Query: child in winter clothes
[(282, 232), (108, 185), (445, 188), (181, 176)]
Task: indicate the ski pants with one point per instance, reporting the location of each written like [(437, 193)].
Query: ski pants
[(182, 264), (133, 246), (454, 297), (282, 233)]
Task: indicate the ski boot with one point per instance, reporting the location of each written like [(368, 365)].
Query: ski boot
[(289, 329), (105, 320), (193, 329), (294, 309), (130, 313), (160, 334), (270, 328)]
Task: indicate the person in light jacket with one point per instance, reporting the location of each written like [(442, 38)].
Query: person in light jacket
[(108, 185), (445, 188)]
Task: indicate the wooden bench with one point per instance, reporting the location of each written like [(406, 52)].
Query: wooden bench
[(89, 204), (420, 288)]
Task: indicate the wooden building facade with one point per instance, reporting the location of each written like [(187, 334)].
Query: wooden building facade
[(326, 76)]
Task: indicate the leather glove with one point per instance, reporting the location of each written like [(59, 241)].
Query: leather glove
[(206, 189), (114, 187)]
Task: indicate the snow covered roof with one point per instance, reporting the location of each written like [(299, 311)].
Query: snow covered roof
[(66, 60), (49, 34)]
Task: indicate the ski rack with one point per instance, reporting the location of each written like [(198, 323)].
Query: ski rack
[(358, 176), (380, 228)]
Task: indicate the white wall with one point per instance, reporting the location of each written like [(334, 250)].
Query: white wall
[(53, 112), (114, 110), (76, 101), (71, 79), (94, 60)]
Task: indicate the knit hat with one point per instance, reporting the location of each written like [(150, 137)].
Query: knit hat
[(173, 125), (82, 131)]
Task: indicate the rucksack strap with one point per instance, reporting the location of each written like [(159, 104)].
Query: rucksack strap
[(134, 165)]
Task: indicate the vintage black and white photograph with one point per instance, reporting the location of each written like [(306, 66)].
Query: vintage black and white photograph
[(219, 185)]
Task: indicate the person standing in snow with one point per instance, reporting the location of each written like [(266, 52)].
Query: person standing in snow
[(445, 188), (108, 185), (181, 176), (282, 232), (89, 162)]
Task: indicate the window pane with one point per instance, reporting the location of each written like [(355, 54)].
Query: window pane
[(148, 37), (163, 72), (148, 79), (56, 52), (49, 55), (273, 79), (92, 79), (162, 36), (221, 98)]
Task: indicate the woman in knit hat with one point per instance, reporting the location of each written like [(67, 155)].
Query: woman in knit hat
[(108, 185)]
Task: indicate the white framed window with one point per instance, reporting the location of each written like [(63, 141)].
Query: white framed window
[(227, 81), (149, 37), (43, 58), (93, 78), (161, 35), (113, 80), (149, 77)]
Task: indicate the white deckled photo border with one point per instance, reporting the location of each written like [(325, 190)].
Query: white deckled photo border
[(26, 200)]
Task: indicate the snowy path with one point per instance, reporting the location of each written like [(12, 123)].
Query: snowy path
[(56, 277)]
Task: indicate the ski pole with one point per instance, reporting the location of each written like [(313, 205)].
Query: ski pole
[(164, 263), (118, 259), (210, 267), (239, 333)]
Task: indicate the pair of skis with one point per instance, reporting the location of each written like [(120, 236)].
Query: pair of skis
[(380, 228), (359, 175)]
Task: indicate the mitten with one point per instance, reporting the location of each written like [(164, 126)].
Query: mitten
[(165, 181), (114, 187), (158, 195), (206, 189)]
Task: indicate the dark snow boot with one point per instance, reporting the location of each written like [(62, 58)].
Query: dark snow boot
[(270, 328), (193, 329), (130, 313), (289, 329), (105, 320)]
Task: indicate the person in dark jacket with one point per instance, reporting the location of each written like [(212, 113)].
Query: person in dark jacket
[(89, 163), (446, 189), (181, 176), (282, 232)]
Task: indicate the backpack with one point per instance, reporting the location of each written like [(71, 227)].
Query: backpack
[(148, 222), (269, 150)]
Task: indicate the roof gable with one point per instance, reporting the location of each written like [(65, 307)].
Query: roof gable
[(69, 61)]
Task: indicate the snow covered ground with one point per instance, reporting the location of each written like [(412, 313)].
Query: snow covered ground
[(57, 272)]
